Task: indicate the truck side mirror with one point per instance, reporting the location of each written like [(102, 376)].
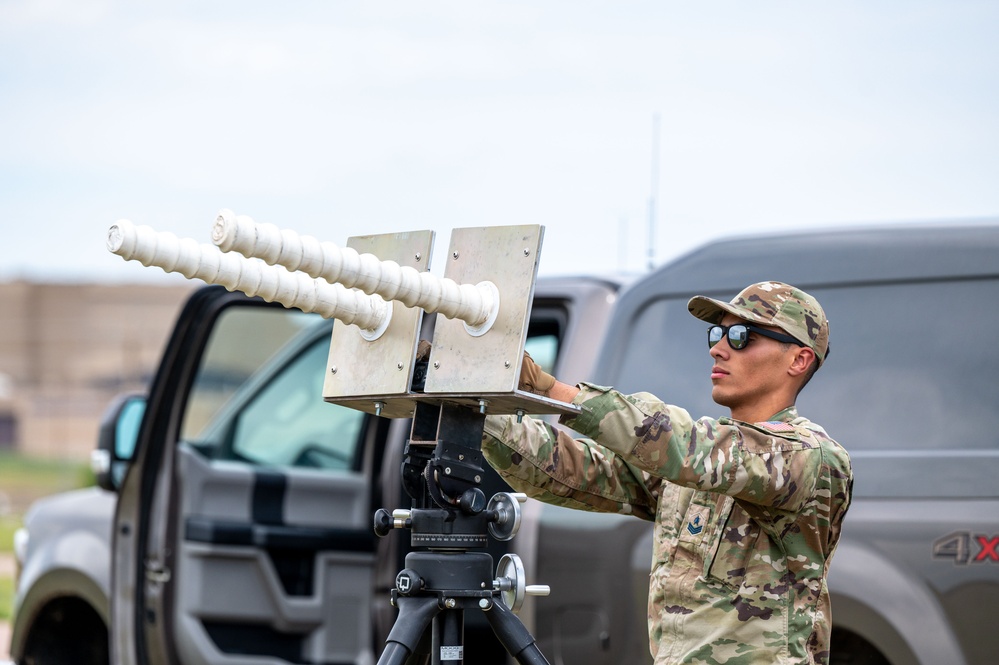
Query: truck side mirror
[(116, 439)]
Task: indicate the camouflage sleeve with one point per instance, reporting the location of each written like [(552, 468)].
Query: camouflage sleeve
[(749, 462), (547, 464)]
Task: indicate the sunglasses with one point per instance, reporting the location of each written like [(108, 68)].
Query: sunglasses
[(738, 335)]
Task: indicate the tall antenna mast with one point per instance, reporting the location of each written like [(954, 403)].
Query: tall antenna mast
[(654, 191)]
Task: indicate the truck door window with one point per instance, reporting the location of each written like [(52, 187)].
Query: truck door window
[(242, 340), (288, 423), (257, 397)]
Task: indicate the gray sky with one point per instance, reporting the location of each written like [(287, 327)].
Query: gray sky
[(349, 118)]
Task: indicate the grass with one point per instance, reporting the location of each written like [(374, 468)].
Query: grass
[(8, 525), (24, 480), (6, 598)]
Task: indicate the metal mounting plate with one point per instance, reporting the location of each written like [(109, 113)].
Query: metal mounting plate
[(360, 372), (461, 363), (479, 372)]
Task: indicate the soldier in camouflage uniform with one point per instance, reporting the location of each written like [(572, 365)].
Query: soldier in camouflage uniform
[(747, 508)]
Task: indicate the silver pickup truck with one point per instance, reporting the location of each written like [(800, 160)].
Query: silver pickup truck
[(234, 522)]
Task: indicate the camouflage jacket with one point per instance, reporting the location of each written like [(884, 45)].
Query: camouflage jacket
[(747, 516)]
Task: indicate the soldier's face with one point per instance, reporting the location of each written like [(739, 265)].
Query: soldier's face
[(751, 375)]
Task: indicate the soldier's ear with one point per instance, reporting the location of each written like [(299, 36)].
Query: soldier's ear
[(803, 359)]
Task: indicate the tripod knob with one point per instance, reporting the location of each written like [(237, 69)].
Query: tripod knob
[(505, 507), (511, 583), (408, 582), (383, 522), (386, 521), (472, 501)]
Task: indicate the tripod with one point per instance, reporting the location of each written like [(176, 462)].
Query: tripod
[(441, 471)]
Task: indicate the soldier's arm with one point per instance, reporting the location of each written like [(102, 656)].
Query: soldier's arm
[(744, 461), (546, 463)]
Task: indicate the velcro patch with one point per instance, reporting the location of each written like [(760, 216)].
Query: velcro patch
[(776, 426)]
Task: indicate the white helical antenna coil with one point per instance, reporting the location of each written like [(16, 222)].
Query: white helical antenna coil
[(477, 305), (252, 277)]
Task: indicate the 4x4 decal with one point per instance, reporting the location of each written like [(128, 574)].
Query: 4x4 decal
[(959, 545)]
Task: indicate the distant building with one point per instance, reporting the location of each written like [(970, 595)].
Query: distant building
[(67, 349)]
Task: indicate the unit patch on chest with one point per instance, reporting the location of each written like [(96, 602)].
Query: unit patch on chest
[(695, 520), (695, 526)]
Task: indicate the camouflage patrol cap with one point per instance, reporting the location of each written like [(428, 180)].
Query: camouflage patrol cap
[(772, 304)]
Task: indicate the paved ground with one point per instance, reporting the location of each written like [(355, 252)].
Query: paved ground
[(4, 642)]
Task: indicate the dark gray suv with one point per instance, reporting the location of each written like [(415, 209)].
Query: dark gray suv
[(909, 389)]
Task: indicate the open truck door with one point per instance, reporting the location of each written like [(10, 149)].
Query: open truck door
[(243, 531)]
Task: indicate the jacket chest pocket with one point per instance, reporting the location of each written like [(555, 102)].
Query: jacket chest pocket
[(673, 506), (697, 526), (734, 543)]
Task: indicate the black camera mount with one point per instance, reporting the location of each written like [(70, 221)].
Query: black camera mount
[(450, 523), (479, 336)]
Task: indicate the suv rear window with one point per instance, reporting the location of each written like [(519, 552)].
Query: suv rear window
[(913, 366)]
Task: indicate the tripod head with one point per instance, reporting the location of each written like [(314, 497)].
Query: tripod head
[(442, 475)]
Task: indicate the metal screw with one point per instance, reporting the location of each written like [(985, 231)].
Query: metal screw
[(398, 365), (437, 365), (478, 479), (333, 369), (447, 471), (450, 603), (482, 405), (527, 251), (461, 458), (378, 408), (484, 603), (454, 254), (419, 256), (520, 415), (506, 363)]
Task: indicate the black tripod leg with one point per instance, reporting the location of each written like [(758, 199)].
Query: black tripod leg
[(422, 654), (514, 637), (415, 615), (449, 633)]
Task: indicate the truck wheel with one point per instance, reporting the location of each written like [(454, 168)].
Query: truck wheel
[(67, 632)]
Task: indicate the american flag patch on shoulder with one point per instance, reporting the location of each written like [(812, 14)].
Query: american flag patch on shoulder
[(777, 426)]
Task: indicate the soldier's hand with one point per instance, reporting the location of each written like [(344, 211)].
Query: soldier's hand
[(533, 379)]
